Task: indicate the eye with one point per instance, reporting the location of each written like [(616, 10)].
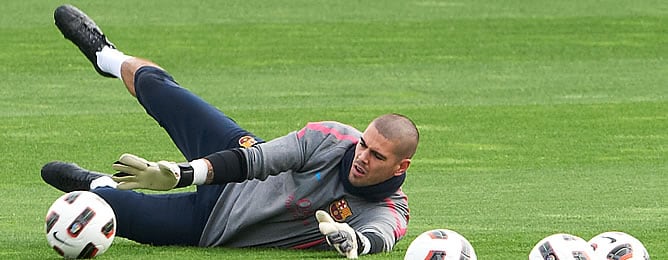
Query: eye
[(379, 156), (362, 143)]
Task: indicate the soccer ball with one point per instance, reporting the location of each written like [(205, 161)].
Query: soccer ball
[(440, 244), (80, 224), (618, 246), (562, 246)]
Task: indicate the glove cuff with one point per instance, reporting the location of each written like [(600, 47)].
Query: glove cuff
[(187, 174), (363, 244)]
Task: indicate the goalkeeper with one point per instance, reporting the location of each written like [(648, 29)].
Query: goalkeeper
[(324, 186)]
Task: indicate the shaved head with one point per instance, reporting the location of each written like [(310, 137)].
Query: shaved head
[(401, 131)]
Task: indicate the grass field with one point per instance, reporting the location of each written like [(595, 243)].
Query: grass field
[(537, 117)]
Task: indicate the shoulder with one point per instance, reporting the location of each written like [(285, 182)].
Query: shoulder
[(331, 129)]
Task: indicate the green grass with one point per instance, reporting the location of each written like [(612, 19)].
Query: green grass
[(537, 117)]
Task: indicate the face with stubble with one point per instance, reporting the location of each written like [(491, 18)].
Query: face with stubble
[(375, 160)]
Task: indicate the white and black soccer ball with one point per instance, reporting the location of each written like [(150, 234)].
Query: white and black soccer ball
[(615, 245), (440, 244), (80, 224), (560, 247)]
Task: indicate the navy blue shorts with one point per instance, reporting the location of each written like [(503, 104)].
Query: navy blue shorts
[(198, 129)]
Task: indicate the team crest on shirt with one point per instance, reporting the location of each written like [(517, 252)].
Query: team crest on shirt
[(247, 141), (339, 210)]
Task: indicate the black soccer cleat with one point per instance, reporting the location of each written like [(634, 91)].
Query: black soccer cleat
[(68, 177), (77, 27)]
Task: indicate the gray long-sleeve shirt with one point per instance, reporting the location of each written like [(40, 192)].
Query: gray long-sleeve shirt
[(289, 179)]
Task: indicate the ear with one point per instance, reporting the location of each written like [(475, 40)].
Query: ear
[(403, 166)]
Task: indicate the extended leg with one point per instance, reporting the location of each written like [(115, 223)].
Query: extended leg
[(196, 127)]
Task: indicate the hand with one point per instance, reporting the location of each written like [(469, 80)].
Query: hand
[(142, 174), (338, 235)]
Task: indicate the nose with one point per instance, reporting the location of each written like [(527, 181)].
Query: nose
[(363, 156)]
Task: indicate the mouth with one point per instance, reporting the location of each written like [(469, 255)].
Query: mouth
[(358, 171)]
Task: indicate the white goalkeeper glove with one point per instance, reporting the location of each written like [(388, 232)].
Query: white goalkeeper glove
[(340, 235), (138, 173)]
